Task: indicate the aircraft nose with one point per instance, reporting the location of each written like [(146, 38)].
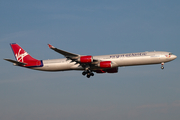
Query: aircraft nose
[(174, 57)]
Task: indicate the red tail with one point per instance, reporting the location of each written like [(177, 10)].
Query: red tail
[(22, 56)]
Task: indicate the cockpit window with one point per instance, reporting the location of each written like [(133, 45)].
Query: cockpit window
[(170, 53)]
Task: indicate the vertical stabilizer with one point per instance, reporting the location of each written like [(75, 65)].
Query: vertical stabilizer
[(22, 56)]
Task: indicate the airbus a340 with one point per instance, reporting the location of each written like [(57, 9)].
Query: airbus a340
[(87, 63)]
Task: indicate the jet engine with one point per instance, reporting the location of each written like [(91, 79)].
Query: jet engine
[(105, 64), (86, 59), (111, 70)]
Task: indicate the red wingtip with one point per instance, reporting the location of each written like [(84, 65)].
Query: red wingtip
[(50, 46)]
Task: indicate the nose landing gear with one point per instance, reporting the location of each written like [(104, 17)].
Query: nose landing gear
[(162, 65)]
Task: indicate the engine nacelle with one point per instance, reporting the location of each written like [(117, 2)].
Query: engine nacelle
[(86, 59), (100, 71), (112, 70), (105, 64)]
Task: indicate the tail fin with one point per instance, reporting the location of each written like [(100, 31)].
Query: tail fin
[(22, 56)]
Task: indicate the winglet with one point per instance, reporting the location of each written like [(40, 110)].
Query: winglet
[(50, 46)]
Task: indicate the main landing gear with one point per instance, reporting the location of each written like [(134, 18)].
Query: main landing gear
[(162, 65), (88, 73)]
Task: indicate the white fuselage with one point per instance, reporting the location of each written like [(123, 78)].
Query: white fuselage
[(118, 60)]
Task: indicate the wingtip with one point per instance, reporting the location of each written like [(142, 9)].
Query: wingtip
[(50, 46)]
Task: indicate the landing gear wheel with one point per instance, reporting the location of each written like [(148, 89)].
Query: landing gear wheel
[(84, 73), (92, 74), (88, 76), (162, 67)]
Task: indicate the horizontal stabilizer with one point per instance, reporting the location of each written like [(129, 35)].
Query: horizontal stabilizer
[(16, 62)]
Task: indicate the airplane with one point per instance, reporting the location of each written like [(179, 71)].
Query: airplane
[(88, 63)]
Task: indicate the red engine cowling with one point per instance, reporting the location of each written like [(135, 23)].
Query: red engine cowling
[(105, 64), (86, 59)]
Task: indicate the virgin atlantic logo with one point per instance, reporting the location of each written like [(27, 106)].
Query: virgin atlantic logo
[(20, 57)]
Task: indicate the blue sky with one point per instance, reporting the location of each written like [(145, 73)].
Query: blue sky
[(93, 28)]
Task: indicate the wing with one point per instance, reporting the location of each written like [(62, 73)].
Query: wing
[(83, 61), (65, 53)]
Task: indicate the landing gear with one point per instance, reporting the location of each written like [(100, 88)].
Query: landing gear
[(84, 73), (88, 76), (88, 73), (92, 74), (162, 67)]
